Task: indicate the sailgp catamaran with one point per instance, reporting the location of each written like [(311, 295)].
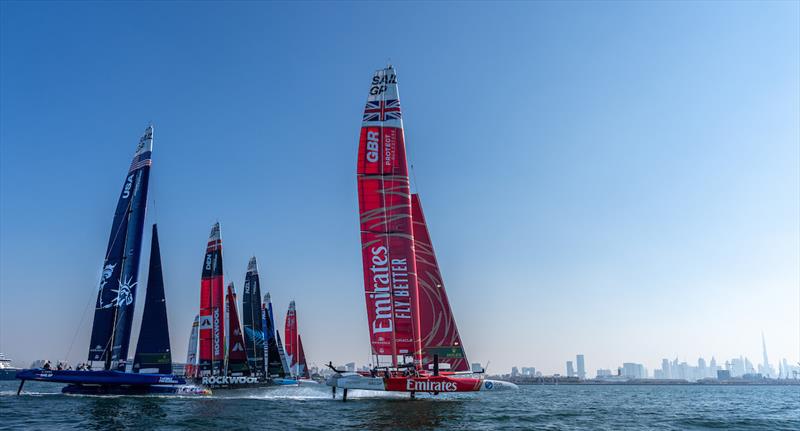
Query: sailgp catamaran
[(412, 330), (295, 354), (116, 297)]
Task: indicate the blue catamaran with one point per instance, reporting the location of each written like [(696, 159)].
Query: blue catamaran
[(116, 297)]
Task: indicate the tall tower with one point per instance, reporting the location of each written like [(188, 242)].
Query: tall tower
[(581, 367), (767, 369)]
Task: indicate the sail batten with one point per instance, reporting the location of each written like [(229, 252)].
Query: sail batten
[(387, 242), (153, 349), (116, 294)]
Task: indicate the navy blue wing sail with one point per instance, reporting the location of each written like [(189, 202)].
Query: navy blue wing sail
[(153, 349), (117, 290)]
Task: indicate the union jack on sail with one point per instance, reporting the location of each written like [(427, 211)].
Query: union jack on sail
[(382, 110)]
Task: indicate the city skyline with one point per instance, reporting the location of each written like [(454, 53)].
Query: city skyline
[(676, 368), (621, 179)]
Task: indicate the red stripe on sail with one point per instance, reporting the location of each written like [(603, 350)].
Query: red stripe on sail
[(437, 325)]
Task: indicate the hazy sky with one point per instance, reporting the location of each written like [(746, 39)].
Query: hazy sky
[(615, 179)]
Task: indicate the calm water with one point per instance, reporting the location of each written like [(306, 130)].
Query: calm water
[(532, 407)]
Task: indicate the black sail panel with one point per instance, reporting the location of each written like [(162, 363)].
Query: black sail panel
[(153, 349), (251, 317), (274, 363)]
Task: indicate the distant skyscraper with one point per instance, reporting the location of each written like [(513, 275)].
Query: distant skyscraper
[(633, 371), (603, 372), (570, 370), (766, 368), (351, 366), (665, 369), (514, 371), (581, 367), (476, 367)]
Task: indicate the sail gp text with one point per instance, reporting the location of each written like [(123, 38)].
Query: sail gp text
[(379, 82), (387, 287)]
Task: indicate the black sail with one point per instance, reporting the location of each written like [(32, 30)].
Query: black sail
[(274, 363), (153, 350), (251, 319), (116, 295)]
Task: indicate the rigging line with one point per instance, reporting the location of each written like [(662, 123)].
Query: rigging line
[(79, 327), (415, 188)]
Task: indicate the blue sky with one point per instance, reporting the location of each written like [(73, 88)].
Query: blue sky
[(619, 179)]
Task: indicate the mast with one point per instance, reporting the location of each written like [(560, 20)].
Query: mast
[(116, 294), (387, 243), (153, 349), (252, 318), (212, 309), (437, 324)]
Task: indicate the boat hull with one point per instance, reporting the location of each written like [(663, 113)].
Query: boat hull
[(101, 377), (429, 384), (223, 382), (135, 390)]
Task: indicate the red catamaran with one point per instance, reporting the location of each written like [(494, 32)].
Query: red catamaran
[(412, 329)]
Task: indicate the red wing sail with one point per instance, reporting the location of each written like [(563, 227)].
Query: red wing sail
[(387, 244), (290, 332), (237, 355), (438, 327), (212, 310), (302, 366)]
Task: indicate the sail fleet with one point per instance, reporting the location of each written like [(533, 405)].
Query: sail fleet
[(414, 339)]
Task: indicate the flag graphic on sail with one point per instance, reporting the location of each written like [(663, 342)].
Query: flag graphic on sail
[(191, 355), (387, 243), (153, 349), (116, 295), (212, 309), (290, 331), (437, 325), (237, 355), (252, 318)]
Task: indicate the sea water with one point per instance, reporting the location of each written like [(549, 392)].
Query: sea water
[(565, 407)]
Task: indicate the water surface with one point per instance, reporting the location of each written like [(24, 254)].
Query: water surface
[(42, 406)]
